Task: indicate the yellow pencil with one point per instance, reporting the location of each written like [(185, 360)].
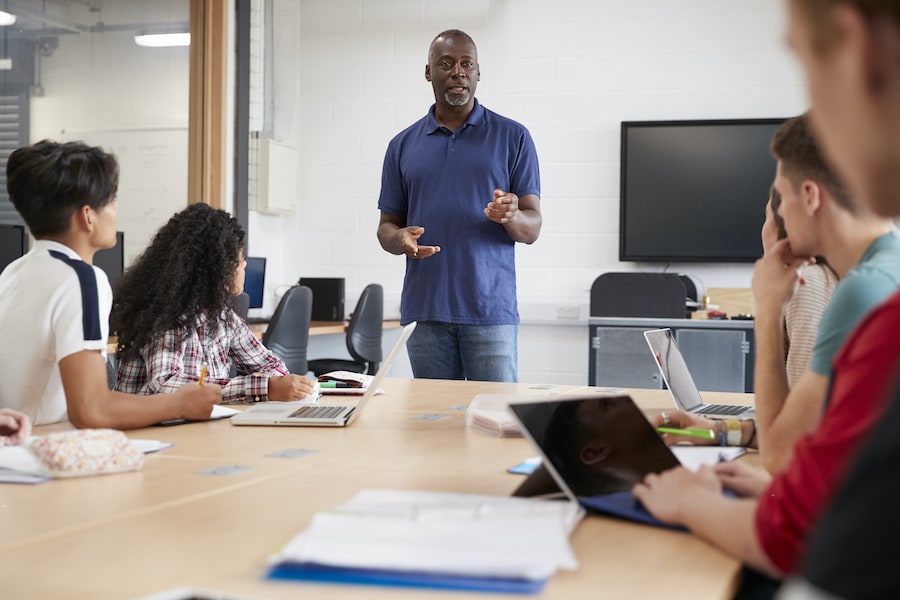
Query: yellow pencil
[(202, 374)]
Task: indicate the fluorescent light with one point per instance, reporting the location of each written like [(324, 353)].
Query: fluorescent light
[(6, 19), (159, 40)]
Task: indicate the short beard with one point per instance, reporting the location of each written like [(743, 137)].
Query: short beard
[(458, 100)]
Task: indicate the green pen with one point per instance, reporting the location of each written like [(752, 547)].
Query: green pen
[(334, 384), (706, 434)]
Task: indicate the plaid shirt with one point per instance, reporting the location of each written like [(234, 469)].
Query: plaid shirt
[(174, 358)]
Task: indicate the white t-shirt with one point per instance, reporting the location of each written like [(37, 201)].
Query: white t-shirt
[(52, 304)]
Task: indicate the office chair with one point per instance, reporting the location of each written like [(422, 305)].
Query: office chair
[(660, 295), (287, 335), (240, 304), (363, 336)]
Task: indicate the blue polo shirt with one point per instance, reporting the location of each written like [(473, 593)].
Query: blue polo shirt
[(442, 180)]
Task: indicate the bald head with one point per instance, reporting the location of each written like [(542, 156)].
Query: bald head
[(449, 37)]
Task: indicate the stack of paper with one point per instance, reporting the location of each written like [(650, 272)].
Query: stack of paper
[(440, 540), (490, 412)]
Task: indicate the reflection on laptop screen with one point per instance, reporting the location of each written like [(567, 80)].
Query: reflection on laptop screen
[(596, 445), (255, 280), (673, 368)]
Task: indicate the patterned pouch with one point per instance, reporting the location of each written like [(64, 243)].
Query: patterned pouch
[(85, 452)]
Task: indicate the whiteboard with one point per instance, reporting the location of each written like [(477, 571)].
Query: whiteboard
[(153, 176)]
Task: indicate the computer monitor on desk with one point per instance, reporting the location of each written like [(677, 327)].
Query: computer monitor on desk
[(112, 260), (255, 280), (13, 243)]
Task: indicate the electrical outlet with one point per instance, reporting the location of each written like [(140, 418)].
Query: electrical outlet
[(567, 311)]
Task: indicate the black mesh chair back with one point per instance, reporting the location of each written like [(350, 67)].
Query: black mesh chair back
[(364, 333), (366, 326), (660, 295), (287, 335)]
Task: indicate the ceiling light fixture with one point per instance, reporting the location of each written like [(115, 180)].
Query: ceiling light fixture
[(6, 19), (161, 40)]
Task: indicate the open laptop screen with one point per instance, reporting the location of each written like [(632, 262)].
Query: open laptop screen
[(673, 369), (596, 445)]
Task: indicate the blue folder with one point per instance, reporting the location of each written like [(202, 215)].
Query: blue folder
[(625, 506), (327, 574)]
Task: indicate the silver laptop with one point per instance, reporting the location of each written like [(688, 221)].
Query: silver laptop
[(321, 414), (678, 379)]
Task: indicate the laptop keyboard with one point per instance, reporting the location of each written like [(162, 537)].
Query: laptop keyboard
[(721, 409), (317, 412)]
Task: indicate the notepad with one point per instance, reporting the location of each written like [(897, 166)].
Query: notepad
[(431, 539)]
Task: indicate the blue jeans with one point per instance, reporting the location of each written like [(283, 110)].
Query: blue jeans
[(474, 352)]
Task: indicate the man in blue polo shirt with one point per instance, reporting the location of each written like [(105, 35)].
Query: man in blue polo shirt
[(459, 188)]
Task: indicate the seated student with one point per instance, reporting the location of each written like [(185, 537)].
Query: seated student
[(849, 50), (768, 525), (804, 310), (172, 306), (54, 305), (821, 219), (15, 427)]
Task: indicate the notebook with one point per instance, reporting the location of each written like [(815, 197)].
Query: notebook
[(594, 450), (681, 385), (321, 414)]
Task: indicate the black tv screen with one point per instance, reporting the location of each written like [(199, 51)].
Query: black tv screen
[(694, 191)]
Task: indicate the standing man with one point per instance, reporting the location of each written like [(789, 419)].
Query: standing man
[(459, 188)]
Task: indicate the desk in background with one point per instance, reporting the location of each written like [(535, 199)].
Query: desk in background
[(259, 329), (135, 534)]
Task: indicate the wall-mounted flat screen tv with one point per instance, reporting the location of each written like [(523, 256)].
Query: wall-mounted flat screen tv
[(694, 191)]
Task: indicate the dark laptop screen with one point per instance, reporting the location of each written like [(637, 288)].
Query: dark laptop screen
[(596, 445)]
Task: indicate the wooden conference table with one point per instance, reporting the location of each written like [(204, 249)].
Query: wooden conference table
[(136, 534)]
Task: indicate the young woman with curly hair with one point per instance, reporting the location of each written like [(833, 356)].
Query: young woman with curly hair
[(174, 319)]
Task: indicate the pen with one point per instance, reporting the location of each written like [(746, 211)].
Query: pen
[(202, 374), (334, 384), (706, 434)]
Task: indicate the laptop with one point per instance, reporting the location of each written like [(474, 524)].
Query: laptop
[(681, 385), (321, 414), (594, 450)]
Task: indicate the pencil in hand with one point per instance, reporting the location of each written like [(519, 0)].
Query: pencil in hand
[(202, 374)]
